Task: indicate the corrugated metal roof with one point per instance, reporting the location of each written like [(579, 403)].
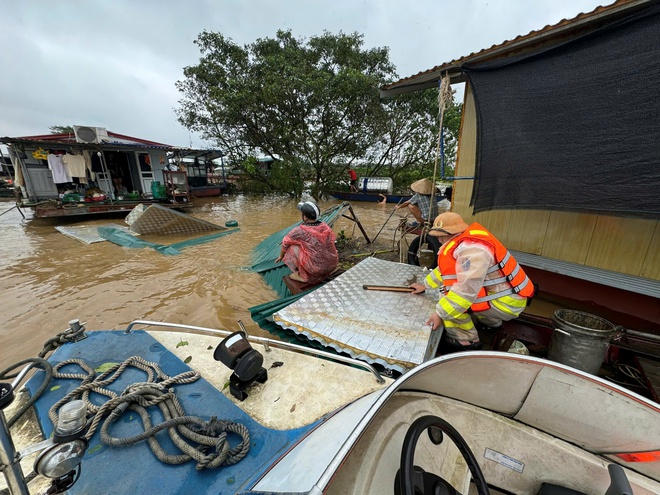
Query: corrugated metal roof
[(546, 36), (53, 143), (70, 138)]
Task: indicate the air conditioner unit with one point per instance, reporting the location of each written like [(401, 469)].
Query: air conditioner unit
[(86, 134)]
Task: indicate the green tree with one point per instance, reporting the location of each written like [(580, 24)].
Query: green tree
[(407, 151), (311, 104), (61, 129)]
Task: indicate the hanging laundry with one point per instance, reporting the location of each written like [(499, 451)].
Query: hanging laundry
[(88, 163), (75, 165), (60, 174)]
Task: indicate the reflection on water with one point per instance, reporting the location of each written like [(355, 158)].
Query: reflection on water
[(48, 279)]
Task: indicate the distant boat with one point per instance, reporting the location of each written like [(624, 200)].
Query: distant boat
[(368, 196)]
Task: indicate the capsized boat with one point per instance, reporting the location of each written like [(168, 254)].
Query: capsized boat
[(277, 418)]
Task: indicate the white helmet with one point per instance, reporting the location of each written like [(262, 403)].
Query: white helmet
[(310, 210)]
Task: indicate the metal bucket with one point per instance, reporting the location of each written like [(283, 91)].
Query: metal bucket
[(580, 340)]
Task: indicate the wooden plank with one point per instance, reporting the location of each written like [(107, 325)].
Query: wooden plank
[(496, 222), (651, 265), (526, 230), (568, 236), (466, 157), (620, 244)]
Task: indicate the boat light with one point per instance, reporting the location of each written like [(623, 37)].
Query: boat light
[(69, 446), (71, 421), (236, 353), (60, 459)]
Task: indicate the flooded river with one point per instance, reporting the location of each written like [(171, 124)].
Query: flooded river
[(48, 279)]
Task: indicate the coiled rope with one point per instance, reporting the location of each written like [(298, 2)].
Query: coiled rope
[(207, 441), (64, 337), (209, 444)]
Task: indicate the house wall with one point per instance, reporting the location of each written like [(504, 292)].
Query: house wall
[(39, 179), (625, 245)]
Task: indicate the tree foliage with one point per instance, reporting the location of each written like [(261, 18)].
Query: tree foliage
[(61, 129), (311, 104)]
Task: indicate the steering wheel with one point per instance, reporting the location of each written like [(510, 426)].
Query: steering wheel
[(414, 480)]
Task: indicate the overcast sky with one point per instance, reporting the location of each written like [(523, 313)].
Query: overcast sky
[(113, 63)]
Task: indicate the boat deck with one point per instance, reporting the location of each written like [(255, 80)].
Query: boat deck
[(277, 413)]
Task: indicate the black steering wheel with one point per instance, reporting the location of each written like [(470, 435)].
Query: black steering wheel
[(413, 480)]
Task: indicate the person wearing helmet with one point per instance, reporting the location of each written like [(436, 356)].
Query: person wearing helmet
[(309, 249), (476, 274)]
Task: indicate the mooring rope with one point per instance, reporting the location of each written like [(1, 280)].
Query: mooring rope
[(445, 98), (212, 447), (68, 335), (211, 437), (36, 363)]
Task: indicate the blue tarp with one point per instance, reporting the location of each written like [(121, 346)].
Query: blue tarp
[(125, 239)]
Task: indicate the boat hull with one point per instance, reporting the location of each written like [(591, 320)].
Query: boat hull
[(87, 209), (103, 464), (206, 191), (372, 197), (525, 424)]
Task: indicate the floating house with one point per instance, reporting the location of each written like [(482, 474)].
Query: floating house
[(54, 171), (558, 156)]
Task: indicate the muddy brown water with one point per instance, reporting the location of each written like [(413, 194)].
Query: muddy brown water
[(48, 279)]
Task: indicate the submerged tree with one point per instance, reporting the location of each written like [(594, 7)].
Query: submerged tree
[(314, 106)]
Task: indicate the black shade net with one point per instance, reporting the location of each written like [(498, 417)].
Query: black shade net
[(575, 127)]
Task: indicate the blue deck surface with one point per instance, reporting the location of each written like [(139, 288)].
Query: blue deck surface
[(135, 469)]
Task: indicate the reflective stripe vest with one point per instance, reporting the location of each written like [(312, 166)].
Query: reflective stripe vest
[(505, 264)]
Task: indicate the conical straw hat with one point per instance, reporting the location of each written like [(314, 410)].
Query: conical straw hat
[(422, 186)]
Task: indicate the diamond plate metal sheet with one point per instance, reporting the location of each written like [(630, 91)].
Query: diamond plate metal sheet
[(386, 328), (157, 219)]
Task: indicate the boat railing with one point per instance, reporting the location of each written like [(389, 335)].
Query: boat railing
[(261, 340)]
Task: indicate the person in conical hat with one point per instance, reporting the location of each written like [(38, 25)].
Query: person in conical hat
[(420, 204), (478, 275)]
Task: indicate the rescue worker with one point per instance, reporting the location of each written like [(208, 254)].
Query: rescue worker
[(309, 249), (476, 274)]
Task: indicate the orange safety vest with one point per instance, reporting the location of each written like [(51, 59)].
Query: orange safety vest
[(507, 266)]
